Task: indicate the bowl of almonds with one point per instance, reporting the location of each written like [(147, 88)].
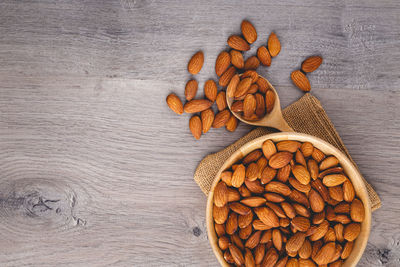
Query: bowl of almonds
[(288, 199)]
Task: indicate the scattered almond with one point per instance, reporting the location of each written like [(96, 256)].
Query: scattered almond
[(238, 43), (175, 104), (311, 63), (195, 126), (274, 46), (300, 80), (196, 63), (222, 63)]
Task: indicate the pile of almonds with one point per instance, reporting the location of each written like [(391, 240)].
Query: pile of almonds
[(287, 204), (236, 76)]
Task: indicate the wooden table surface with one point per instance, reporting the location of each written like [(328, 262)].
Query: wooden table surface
[(96, 170)]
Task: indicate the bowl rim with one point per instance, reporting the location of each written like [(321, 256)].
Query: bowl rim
[(355, 177)]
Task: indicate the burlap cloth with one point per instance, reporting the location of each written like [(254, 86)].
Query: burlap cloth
[(306, 115)]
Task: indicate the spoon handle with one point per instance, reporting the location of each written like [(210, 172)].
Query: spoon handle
[(281, 124)]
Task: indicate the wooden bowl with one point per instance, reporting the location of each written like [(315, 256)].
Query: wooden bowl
[(328, 149)]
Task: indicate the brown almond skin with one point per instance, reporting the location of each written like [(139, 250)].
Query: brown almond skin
[(252, 156), (196, 63), (195, 126), (220, 194), (325, 254), (307, 148), (243, 87), (263, 85), (288, 145), (269, 100), (280, 159), (221, 101), (270, 258), (197, 105), (348, 247), (295, 242), (210, 90), (348, 191), (302, 224), (245, 220), (305, 250), (227, 76), (222, 63), (191, 89), (311, 63), (219, 229), (221, 119), (249, 258), (249, 105), (238, 176), (237, 59), (300, 80), (220, 214), (253, 240), (264, 56), (175, 104), (252, 74), (230, 91), (260, 105), (233, 195), (236, 254), (238, 43), (232, 124), (237, 106), (249, 31), (251, 63), (267, 216), (245, 232), (316, 201), (351, 231), (207, 119), (274, 46), (259, 253), (231, 224), (269, 149), (239, 208), (223, 242)]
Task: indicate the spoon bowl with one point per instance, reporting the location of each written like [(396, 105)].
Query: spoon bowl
[(272, 119)]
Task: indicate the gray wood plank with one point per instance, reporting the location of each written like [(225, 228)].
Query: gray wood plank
[(94, 168)]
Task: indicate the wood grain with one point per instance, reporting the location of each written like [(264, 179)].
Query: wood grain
[(96, 170)]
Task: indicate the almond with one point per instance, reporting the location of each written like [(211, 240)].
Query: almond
[(253, 89), (334, 179), (325, 254), (278, 211), (316, 246), (342, 218), (302, 224), (236, 254), (299, 186), (283, 173), (244, 191), (280, 159), (233, 85), (245, 232), (299, 197), (245, 220), (348, 247), (191, 89), (274, 46), (221, 101), (228, 257), (253, 240), (253, 201), (260, 105), (282, 262), (288, 209), (238, 176), (226, 176), (239, 208), (249, 32), (311, 63), (251, 74), (271, 257), (317, 155), (262, 162), (301, 174), (197, 105), (237, 59), (266, 236), (222, 63), (259, 253), (249, 105), (231, 224), (223, 242), (336, 193), (237, 241), (272, 197), (219, 229), (269, 149), (339, 228), (292, 262), (278, 187), (267, 216), (295, 242), (252, 172), (195, 126), (277, 239), (320, 231), (289, 145), (357, 212), (220, 214), (227, 76), (233, 195), (322, 190), (196, 63), (237, 106), (284, 222), (249, 259), (220, 194), (313, 168), (264, 56), (243, 87), (307, 149), (252, 156), (328, 162), (254, 186), (221, 119), (316, 201), (330, 235), (319, 217), (263, 85), (231, 124), (267, 175), (251, 63), (207, 119), (300, 80), (175, 104), (300, 158), (210, 90), (259, 225), (269, 100), (342, 208), (348, 191), (337, 263), (305, 250), (238, 43), (306, 263), (330, 170)]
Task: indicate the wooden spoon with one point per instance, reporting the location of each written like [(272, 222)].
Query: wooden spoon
[(273, 119)]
